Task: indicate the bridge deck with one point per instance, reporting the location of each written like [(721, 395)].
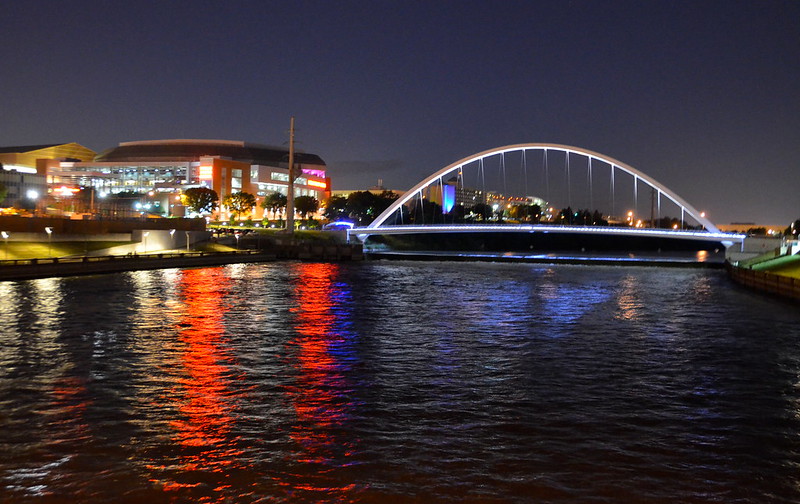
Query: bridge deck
[(725, 238)]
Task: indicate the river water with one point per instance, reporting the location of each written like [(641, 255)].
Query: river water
[(391, 381)]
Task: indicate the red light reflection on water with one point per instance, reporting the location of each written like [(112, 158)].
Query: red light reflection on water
[(202, 396), (319, 393)]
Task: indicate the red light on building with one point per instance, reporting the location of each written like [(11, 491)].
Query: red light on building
[(316, 183)]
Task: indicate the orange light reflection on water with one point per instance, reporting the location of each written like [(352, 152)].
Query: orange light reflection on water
[(319, 395), (203, 396)]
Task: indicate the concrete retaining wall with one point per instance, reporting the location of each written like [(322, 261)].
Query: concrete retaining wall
[(763, 281), (45, 268)]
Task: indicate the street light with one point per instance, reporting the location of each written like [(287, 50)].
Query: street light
[(187, 241), (172, 237), (49, 241), (145, 235), (33, 195), (5, 237), (237, 235)]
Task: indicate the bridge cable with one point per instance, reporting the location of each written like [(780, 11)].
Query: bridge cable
[(569, 189), (422, 206), (483, 181), (441, 188), (591, 196), (503, 169), (525, 171), (546, 176), (613, 211)]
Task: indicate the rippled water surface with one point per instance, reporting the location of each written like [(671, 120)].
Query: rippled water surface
[(398, 382)]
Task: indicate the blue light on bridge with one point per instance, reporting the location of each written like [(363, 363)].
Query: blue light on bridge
[(448, 198)]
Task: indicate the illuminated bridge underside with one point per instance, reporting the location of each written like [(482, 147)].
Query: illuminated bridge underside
[(638, 176), (725, 238)]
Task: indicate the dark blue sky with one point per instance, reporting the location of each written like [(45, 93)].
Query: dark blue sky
[(704, 96)]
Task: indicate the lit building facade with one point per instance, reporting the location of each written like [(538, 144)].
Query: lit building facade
[(24, 170), (164, 168)]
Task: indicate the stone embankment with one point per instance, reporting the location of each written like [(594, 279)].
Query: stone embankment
[(765, 281), (775, 272)]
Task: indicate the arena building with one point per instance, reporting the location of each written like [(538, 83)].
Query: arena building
[(161, 169)]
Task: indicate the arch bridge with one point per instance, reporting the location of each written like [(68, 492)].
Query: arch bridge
[(559, 173)]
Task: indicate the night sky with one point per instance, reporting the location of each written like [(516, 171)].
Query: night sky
[(704, 96)]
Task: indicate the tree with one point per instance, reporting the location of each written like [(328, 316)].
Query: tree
[(239, 203), (199, 199), (426, 212), (482, 210), (383, 201), (274, 202), (305, 205), (336, 208), (360, 206)]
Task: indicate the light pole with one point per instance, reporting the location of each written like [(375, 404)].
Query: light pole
[(237, 235), (145, 235), (33, 195), (187, 241), (5, 237), (49, 241), (172, 237)]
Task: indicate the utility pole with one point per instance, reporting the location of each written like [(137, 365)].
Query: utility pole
[(290, 190)]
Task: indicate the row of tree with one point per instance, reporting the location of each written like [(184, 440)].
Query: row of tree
[(204, 200), (360, 207)]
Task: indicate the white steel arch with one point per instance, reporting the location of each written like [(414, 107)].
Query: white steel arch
[(638, 175)]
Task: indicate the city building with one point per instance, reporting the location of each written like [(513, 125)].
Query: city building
[(24, 170), (376, 189), (452, 193), (162, 169)]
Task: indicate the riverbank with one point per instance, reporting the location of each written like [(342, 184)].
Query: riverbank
[(26, 269), (772, 274)]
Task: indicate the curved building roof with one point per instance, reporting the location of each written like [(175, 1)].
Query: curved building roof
[(192, 150)]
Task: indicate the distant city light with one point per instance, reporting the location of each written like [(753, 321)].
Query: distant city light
[(66, 191)]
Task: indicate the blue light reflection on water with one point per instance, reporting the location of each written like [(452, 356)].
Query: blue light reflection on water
[(413, 382)]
